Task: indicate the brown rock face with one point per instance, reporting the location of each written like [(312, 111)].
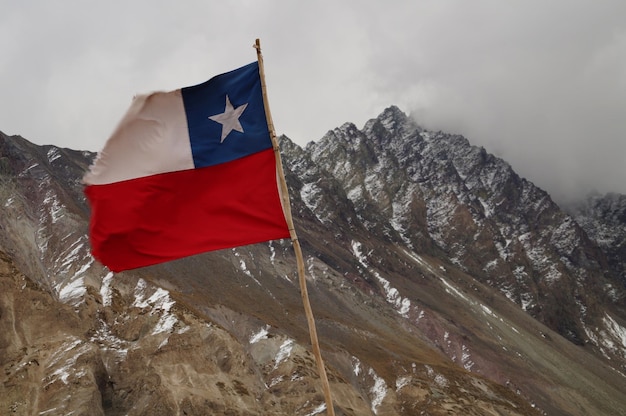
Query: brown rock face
[(151, 355)]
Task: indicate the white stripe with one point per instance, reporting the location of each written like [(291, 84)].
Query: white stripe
[(152, 138)]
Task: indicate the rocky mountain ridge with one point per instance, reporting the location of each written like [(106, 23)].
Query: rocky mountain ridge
[(603, 217), (476, 210), (442, 283)]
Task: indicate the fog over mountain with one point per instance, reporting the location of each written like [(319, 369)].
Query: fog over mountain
[(541, 84)]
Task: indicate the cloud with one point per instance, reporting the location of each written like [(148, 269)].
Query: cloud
[(541, 84)]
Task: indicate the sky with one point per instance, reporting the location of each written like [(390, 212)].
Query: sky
[(541, 84)]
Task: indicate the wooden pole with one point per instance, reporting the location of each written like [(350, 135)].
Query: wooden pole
[(294, 240)]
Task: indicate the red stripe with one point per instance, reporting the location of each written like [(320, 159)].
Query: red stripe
[(151, 220)]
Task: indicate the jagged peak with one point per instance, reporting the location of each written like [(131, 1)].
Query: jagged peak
[(347, 133), (392, 119), (349, 128), (392, 113), (284, 140)]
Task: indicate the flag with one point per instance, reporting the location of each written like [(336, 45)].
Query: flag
[(185, 172)]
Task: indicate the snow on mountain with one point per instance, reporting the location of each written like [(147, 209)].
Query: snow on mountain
[(434, 191), (441, 282)]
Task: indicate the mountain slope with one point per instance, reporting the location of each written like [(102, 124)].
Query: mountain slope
[(437, 193), (397, 242)]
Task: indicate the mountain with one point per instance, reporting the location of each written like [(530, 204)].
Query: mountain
[(441, 282), (436, 193), (603, 217)]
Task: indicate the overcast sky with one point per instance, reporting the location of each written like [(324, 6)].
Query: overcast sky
[(539, 83)]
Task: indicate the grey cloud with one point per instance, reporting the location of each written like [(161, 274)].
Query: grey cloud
[(541, 84)]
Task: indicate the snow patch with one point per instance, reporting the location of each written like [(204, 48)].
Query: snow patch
[(159, 301), (356, 366), (262, 334), (54, 205), (165, 324), (527, 301), (617, 332), (108, 341), (53, 154), (466, 358), (453, 290), (419, 260), (105, 289), (310, 262), (311, 195), (284, 352), (272, 252), (244, 267), (402, 382), (378, 391), (68, 368), (439, 379), (75, 289), (490, 265), (319, 409), (355, 194), (401, 305), (487, 209)]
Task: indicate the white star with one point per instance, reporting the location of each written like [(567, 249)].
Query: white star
[(229, 119)]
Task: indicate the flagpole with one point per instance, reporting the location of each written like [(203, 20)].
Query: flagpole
[(294, 240)]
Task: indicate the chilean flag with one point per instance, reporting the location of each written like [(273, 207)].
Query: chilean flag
[(184, 172)]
